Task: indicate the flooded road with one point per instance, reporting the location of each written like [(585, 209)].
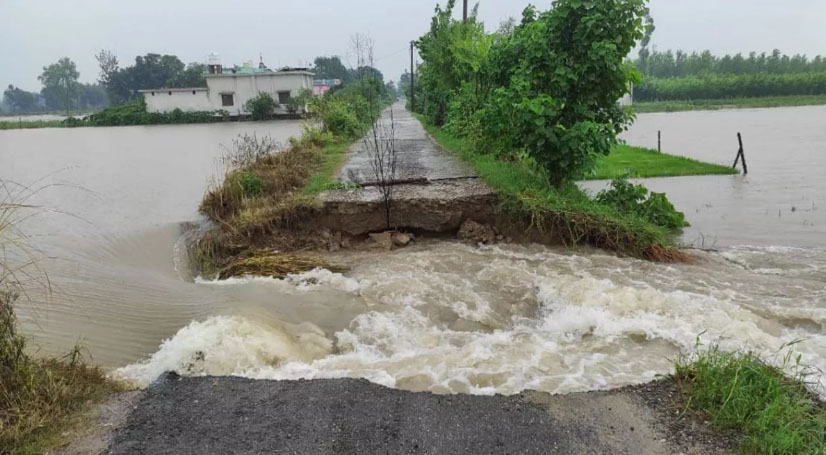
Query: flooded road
[(438, 316)]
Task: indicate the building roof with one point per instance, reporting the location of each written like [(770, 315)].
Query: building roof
[(178, 89), (250, 71)]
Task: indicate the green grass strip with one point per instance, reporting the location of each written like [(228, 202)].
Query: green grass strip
[(324, 178), (776, 414), (630, 161), (728, 103)]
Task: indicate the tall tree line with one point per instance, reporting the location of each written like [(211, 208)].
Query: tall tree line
[(62, 91), (681, 64)]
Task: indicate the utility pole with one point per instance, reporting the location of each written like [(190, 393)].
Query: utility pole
[(412, 81), (464, 11)]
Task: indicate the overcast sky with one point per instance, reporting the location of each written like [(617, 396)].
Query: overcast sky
[(34, 33)]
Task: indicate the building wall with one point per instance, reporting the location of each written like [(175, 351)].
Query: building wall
[(242, 87), (168, 101)]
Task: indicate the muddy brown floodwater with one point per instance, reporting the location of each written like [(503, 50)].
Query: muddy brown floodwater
[(440, 315)]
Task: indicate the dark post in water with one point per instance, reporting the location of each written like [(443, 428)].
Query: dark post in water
[(740, 155), (659, 142)]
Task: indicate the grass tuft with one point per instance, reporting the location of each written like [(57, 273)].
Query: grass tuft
[(775, 413), (638, 162)]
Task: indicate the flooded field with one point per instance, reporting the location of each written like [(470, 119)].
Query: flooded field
[(439, 316)]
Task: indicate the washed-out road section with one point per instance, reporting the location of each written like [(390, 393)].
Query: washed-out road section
[(432, 189)]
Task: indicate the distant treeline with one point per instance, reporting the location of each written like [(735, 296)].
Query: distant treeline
[(716, 86), (680, 64), (682, 76)]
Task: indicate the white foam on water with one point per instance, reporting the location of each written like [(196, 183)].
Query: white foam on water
[(306, 281), (498, 320)]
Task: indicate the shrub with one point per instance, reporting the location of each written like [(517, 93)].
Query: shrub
[(338, 117), (261, 107), (654, 207), (251, 185)]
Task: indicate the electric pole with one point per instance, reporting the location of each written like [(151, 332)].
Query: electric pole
[(464, 11), (412, 81)]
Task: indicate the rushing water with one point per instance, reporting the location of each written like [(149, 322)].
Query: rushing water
[(439, 315)]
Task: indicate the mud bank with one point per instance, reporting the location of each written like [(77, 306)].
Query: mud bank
[(213, 415)]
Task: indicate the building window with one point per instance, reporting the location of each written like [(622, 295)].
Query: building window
[(226, 100), (284, 97)]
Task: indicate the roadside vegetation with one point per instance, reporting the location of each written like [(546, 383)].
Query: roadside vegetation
[(39, 398), (728, 103), (534, 107), (268, 190), (565, 213), (774, 413), (639, 162)]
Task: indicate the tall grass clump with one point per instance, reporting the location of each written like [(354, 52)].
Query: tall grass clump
[(776, 414), (38, 397), (268, 191)]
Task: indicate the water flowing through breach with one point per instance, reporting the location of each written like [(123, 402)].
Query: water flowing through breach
[(448, 317), (438, 316)]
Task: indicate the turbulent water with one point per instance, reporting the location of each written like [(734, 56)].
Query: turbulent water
[(440, 315)]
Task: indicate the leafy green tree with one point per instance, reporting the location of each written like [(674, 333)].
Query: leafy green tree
[(19, 100), (192, 76), (366, 71), (92, 97), (404, 84), (60, 85), (261, 107), (331, 68), (108, 63), (559, 76), (150, 71)]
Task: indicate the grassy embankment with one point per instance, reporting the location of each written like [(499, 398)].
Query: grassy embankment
[(566, 214), (728, 103), (127, 114), (264, 194), (40, 399), (635, 162), (774, 413)]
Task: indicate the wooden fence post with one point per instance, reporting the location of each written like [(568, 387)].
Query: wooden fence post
[(741, 156), (659, 142)]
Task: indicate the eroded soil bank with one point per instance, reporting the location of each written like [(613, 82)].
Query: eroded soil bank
[(216, 415)]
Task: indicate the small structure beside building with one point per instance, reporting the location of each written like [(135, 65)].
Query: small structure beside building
[(322, 86), (229, 89)]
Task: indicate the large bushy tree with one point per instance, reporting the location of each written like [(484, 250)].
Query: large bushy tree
[(547, 89), (149, 71), (60, 85), (331, 68)]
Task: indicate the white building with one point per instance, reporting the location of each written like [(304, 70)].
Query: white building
[(229, 89)]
